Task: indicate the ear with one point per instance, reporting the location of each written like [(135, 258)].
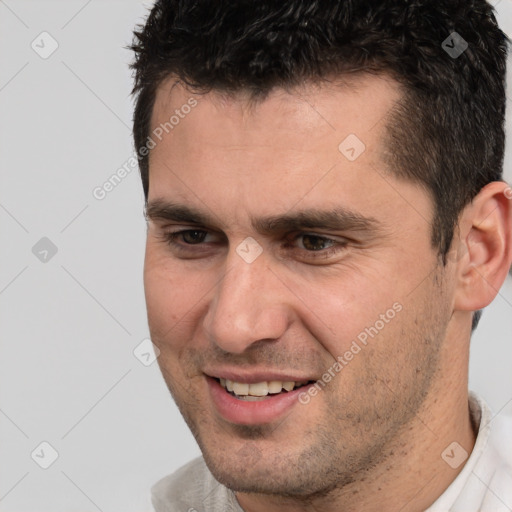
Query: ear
[(485, 241)]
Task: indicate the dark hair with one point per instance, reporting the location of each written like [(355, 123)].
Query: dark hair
[(447, 133)]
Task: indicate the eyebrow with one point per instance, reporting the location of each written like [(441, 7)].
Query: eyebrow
[(164, 210), (340, 219)]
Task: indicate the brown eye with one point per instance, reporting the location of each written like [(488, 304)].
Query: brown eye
[(315, 243), (193, 236)]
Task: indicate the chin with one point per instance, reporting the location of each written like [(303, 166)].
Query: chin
[(253, 482), (251, 470)]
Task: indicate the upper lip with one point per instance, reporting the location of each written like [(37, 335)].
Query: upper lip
[(254, 376)]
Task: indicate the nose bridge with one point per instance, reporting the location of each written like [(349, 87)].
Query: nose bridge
[(248, 306)]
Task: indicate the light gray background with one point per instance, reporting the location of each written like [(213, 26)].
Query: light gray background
[(68, 375)]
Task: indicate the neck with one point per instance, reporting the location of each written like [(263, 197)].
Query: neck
[(413, 474)]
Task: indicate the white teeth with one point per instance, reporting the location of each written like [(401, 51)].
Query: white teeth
[(275, 386), (288, 385), (240, 388), (258, 389)]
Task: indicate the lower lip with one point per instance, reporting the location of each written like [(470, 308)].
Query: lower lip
[(259, 412)]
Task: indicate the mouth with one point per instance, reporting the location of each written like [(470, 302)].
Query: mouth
[(255, 403), (259, 390)]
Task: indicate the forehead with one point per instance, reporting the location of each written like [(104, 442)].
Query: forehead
[(355, 103), (313, 144)]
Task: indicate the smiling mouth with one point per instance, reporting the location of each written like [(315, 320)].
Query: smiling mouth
[(259, 390)]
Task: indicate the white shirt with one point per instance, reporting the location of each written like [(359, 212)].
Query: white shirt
[(483, 485), (485, 482)]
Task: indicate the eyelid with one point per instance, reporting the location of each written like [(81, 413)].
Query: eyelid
[(336, 248), (172, 236), (188, 229), (291, 237), (289, 250), (323, 236)]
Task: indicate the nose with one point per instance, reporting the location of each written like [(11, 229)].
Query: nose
[(249, 305)]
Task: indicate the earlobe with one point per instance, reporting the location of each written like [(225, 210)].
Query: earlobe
[(486, 236)]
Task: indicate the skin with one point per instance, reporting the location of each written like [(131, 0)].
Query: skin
[(372, 438)]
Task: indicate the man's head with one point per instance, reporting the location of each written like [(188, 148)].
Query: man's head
[(446, 132), (310, 168)]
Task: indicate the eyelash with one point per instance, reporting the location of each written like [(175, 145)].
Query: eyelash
[(171, 239)]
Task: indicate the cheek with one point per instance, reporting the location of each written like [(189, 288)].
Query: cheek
[(161, 301), (178, 296), (173, 299), (351, 307)]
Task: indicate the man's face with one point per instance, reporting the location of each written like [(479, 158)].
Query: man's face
[(274, 253)]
